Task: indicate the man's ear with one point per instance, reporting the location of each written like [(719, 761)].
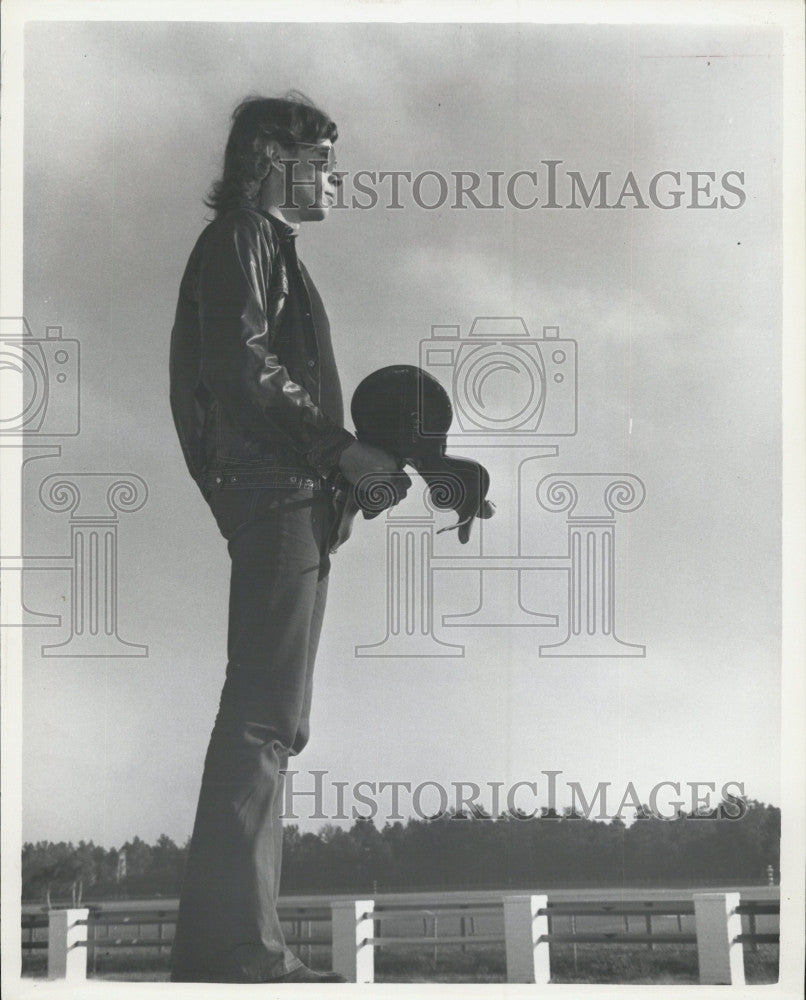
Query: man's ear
[(274, 152)]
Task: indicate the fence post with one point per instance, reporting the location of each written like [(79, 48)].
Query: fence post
[(754, 945), (353, 929), (718, 926), (92, 950), (67, 944), (527, 944)]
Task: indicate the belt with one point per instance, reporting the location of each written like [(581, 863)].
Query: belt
[(244, 479)]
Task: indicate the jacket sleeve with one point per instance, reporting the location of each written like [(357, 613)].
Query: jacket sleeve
[(238, 363)]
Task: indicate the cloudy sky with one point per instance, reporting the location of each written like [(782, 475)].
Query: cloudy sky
[(676, 318)]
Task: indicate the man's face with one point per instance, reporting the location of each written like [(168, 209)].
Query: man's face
[(310, 183)]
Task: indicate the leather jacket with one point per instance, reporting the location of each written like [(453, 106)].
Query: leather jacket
[(244, 361)]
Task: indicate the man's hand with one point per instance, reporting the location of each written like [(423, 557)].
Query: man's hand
[(359, 460), (379, 481)]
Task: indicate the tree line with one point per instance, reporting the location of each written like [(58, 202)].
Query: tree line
[(449, 851)]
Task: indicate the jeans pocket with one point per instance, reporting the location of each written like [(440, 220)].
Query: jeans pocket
[(233, 508)]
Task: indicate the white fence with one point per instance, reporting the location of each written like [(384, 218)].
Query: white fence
[(357, 930)]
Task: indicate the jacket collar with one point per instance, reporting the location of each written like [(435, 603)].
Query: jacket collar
[(286, 233)]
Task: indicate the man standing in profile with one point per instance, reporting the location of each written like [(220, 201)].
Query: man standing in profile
[(257, 404)]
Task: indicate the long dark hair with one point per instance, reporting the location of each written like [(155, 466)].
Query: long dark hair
[(290, 119)]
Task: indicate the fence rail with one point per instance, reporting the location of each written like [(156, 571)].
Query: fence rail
[(354, 929)]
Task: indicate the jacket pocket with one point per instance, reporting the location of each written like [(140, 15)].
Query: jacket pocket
[(236, 446)]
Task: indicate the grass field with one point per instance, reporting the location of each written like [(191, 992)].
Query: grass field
[(602, 964)]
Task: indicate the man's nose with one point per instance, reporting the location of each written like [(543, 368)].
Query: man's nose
[(335, 179)]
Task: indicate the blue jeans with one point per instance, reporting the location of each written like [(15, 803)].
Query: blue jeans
[(227, 928)]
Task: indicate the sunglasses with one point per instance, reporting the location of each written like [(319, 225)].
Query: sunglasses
[(328, 161)]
